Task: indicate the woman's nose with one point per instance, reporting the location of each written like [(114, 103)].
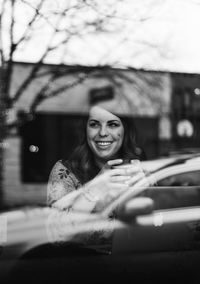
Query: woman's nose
[(103, 131)]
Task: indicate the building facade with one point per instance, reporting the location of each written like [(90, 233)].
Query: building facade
[(162, 104)]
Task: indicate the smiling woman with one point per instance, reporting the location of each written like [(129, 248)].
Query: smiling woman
[(105, 134), (90, 178)]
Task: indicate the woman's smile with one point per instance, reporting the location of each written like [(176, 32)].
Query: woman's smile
[(103, 144)]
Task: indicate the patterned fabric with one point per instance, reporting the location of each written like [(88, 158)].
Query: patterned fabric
[(61, 182), (62, 224)]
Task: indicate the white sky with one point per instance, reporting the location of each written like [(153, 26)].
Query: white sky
[(173, 26)]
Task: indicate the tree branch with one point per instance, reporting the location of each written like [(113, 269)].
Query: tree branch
[(37, 66), (38, 13), (11, 51), (31, 22), (43, 93), (2, 58)]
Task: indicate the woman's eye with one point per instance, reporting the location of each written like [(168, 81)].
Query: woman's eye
[(93, 124), (113, 124)]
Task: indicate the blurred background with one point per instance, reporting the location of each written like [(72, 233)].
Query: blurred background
[(60, 57)]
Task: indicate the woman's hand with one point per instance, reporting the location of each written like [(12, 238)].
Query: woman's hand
[(109, 181), (134, 171), (106, 186), (113, 179), (110, 164)]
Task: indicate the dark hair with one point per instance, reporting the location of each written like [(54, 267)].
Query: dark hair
[(82, 162)]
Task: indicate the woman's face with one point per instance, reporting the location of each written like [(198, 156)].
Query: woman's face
[(105, 133)]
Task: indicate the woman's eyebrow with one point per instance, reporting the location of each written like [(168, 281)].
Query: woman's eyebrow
[(92, 119), (109, 121), (113, 120)]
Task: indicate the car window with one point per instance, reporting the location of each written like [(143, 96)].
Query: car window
[(183, 179), (174, 196)]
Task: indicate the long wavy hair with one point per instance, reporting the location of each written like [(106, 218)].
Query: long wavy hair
[(82, 162)]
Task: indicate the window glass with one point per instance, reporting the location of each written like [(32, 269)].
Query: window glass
[(174, 197), (184, 179), (181, 190)]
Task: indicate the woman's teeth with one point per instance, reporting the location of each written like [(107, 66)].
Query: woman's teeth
[(104, 143)]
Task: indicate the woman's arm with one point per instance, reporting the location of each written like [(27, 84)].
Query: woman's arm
[(71, 207), (65, 192)]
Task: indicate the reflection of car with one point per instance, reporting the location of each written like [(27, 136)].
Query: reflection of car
[(167, 241), (176, 210), (156, 242), (173, 159)]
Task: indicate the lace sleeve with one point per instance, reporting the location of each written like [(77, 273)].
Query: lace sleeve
[(66, 224), (61, 182)]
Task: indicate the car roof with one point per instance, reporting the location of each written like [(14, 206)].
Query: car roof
[(164, 162)]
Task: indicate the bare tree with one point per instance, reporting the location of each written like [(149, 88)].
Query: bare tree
[(21, 24), (25, 23)]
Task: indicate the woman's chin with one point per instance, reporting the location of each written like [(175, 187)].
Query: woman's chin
[(106, 156)]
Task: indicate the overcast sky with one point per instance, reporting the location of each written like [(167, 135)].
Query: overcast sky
[(173, 26)]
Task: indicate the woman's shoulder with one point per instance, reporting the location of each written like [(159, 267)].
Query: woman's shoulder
[(61, 182), (60, 164), (62, 170)]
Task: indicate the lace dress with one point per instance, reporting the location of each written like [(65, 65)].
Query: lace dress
[(68, 225)]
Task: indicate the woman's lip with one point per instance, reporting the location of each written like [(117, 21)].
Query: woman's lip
[(103, 144)]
